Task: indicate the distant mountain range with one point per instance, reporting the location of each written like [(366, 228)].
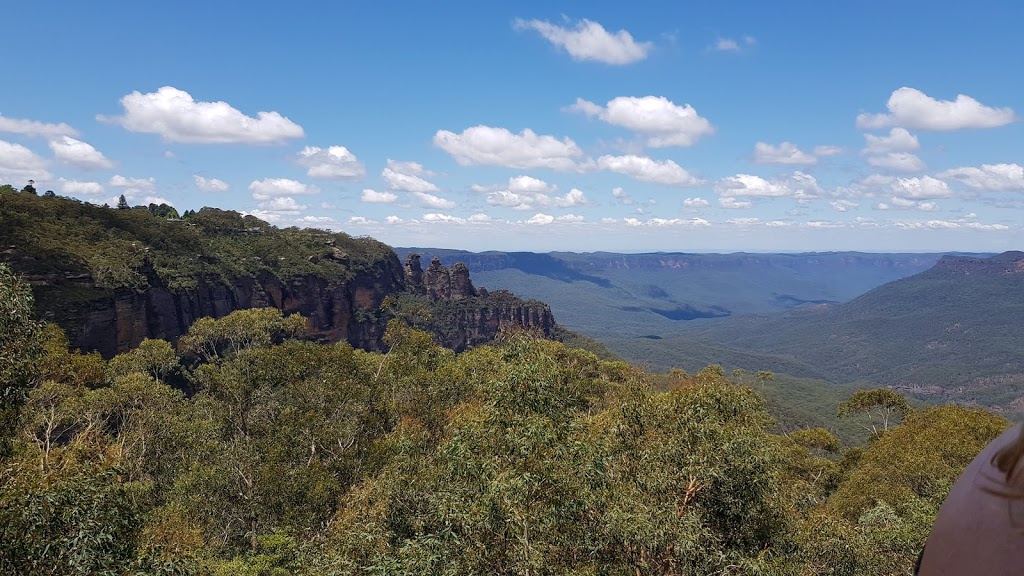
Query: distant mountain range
[(656, 294), (953, 332)]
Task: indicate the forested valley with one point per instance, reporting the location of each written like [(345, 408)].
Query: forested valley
[(249, 447)]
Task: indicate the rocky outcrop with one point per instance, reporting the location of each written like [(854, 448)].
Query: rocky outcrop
[(438, 283), (477, 320)]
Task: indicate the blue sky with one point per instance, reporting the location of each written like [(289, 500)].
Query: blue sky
[(716, 126)]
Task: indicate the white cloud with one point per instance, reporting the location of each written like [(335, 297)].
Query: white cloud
[(168, 154), (479, 218), (375, 197), (950, 225), (571, 218), (696, 203), (541, 218), (898, 140), (268, 188), (743, 221), (924, 188), (76, 187), (533, 201), (79, 154), (157, 200), (798, 184), (589, 40), (778, 224), (899, 161), (499, 147), (663, 122), (210, 184), (529, 184), (828, 150), (512, 200), (644, 169), (404, 176), (431, 201), (334, 163), (912, 108), (725, 45), (133, 184), (359, 220), (996, 177), (35, 128), (784, 153), (733, 203), (177, 117), (447, 218), (621, 196), (18, 163), (282, 204), (843, 205), (574, 197)]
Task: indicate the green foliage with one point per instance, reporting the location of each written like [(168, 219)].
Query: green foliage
[(242, 329), (523, 456), (921, 458), (879, 405), (19, 349)]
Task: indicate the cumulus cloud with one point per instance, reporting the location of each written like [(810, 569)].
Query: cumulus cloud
[(529, 185), (898, 140), (995, 177), (268, 188), (35, 128), (18, 164), (405, 176), (910, 108), (541, 218), (621, 196), (76, 187), (533, 200), (210, 184), (282, 204), (797, 185), (132, 184), (177, 117), (79, 154), (431, 201), (898, 161), (843, 205), (588, 40), (375, 197), (571, 218), (697, 202), (661, 121), (334, 163), (784, 153), (644, 169), (485, 145), (733, 203), (924, 188)]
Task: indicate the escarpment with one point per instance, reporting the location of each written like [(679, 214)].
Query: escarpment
[(113, 277)]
